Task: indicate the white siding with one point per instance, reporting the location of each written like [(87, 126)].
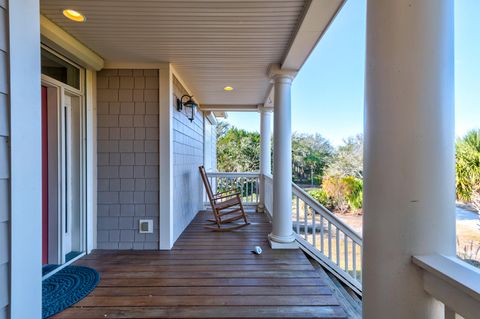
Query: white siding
[(187, 157), (210, 152), (4, 166)]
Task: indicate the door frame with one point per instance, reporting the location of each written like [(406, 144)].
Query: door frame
[(56, 95)]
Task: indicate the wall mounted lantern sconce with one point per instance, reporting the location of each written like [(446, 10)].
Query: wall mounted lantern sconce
[(186, 102)]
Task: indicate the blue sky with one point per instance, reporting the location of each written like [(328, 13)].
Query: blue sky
[(327, 95)]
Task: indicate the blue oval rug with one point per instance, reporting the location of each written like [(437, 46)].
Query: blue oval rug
[(66, 288)]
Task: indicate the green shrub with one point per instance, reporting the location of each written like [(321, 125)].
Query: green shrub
[(321, 196), (344, 194)]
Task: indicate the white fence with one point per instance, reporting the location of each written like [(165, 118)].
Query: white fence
[(322, 235), (248, 184), (327, 238)]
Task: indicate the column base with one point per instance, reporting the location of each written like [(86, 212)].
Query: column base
[(260, 208), (282, 243)]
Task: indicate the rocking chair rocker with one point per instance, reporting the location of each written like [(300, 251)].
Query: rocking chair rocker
[(227, 203)]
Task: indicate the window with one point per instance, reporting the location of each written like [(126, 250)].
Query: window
[(59, 69)]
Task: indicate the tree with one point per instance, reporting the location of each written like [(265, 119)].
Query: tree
[(348, 159), (237, 150), (468, 167), (310, 155)]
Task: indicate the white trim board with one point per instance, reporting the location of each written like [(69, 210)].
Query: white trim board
[(25, 160), (165, 77), (60, 40)]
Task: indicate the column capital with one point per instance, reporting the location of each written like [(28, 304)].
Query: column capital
[(275, 72), (264, 109)]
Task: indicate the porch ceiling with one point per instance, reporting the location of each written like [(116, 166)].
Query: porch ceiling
[(212, 43)]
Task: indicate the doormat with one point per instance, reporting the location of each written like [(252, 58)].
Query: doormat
[(66, 288)]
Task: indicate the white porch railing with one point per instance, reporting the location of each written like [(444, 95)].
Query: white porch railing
[(323, 236), (452, 282), (247, 183)]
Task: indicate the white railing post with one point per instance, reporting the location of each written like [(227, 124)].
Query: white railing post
[(265, 151), (409, 169), (282, 235)]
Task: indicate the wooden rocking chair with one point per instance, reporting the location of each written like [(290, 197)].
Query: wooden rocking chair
[(227, 204)]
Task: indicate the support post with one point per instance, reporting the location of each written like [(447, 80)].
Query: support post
[(282, 235), (25, 234), (409, 168), (166, 157), (265, 151)]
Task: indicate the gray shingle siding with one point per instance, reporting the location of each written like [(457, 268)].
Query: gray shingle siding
[(4, 165), (187, 157), (127, 147)]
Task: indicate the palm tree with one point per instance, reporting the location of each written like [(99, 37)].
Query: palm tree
[(468, 166)]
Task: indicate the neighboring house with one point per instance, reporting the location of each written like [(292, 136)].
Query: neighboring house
[(93, 141)]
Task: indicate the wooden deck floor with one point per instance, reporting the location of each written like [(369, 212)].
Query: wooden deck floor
[(208, 275)]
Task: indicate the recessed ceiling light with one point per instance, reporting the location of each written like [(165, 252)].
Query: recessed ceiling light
[(228, 88), (74, 15)]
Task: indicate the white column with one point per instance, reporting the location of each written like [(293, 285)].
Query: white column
[(282, 235), (265, 151), (409, 153), (266, 141)]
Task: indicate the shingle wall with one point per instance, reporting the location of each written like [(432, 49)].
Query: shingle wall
[(127, 137)]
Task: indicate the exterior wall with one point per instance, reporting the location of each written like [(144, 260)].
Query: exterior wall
[(4, 165), (187, 157), (128, 160), (210, 145)]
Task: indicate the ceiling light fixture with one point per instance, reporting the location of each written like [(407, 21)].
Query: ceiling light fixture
[(74, 15), (228, 88)]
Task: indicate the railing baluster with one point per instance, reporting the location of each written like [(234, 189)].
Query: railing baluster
[(354, 259), (314, 228), (337, 242), (297, 208), (251, 190), (305, 220), (322, 247), (329, 233), (345, 248)]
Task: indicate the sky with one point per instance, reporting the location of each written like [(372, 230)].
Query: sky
[(328, 92)]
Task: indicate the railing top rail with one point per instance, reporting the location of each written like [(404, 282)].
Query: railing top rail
[(233, 174), (312, 202), (452, 270), (452, 282)]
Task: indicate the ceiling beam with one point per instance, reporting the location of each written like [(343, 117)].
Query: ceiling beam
[(230, 107)]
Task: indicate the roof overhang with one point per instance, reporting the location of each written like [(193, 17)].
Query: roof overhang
[(210, 44)]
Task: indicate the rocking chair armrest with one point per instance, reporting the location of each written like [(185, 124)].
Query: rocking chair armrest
[(227, 191), (226, 196)]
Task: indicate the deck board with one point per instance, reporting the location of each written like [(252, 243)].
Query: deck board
[(208, 275)]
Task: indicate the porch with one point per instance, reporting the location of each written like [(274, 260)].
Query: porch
[(207, 275)]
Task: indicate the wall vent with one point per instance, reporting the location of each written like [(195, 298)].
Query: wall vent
[(145, 226)]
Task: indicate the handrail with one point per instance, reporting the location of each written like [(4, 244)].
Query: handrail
[(327, 238), (323, 235), (235, 174), (452, 282), (312, 202)]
